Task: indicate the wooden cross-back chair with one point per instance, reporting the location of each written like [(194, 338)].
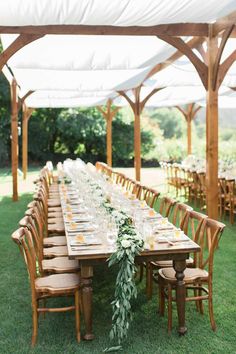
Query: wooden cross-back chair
[(199, 278), (56, 243), (202, 188), (151, 197), (229, 198), (180, 212), (48, 247), (191, 226), (55, 285), (166, 206), (53, 225)]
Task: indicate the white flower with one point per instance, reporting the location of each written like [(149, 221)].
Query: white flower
[(125, 243)]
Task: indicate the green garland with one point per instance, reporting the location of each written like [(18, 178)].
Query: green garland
[(128, 246)]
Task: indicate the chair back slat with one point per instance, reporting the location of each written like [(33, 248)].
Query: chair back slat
[(166, 206), (208, 239), (179, 214)]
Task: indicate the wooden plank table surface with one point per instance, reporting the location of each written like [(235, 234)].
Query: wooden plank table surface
[(93, 255)]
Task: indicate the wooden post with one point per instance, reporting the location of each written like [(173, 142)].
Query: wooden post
[(25, 119), (14, 139), (109, 114), (109, 134), (212, 131), (189, 132), (137, 106), (137, 135), (189, 115)]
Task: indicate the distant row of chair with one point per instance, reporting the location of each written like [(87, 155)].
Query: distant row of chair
[(199, 272), (192, 184)]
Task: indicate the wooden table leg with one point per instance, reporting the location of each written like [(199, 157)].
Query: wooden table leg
[(179, 266), (87, 298)]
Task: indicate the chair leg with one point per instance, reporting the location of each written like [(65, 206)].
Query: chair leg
[(201, 307), (169, 308), (35, 323), (141, 272), (77, 315), (210, 306), (161, 297), (197, 301), (149, 280)]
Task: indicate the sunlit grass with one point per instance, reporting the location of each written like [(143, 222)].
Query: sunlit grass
[(148, 332)]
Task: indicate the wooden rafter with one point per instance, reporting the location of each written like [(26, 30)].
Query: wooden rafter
[(225, 66), (223, 42), (179, 43), (193, 43), (21, 41), (223, 23)]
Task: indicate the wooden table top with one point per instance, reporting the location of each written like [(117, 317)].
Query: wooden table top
[(104, 250)]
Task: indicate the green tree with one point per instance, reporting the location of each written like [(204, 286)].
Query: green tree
[(170, 120), (5, 127)]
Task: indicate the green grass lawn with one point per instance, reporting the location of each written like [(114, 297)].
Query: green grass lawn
[(148, 332)]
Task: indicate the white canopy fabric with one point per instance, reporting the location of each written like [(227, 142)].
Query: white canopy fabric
[(93, 68), (116, 12), (55, 52)]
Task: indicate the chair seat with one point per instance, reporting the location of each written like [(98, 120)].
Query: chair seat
[(54, 241), (55, 214), (56, 228), (54, 209), (190, 274), (54, 203), (59, 251), (56, 220), (57, 283), (60, 264), (169, 263)]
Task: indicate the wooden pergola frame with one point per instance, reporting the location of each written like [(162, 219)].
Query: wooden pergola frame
[(189, 114), (211, 72), (108, 115)]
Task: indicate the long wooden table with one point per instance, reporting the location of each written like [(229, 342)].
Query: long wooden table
[(178, 252)]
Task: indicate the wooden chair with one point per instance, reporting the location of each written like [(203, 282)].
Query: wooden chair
[(197, 279), (229, 198), (179, 214), (151, 197), (202, 188), (55, 285), (166, 206)]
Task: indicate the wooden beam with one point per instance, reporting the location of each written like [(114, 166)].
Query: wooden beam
[(223, 42), (27, 112), (199, 65), (21, 41), (225, 66), (212, 131), (193, 43), (174, 29), (224, 23), (14, 140)]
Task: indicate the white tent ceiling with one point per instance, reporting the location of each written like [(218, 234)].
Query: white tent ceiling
[(93, 68), (116, 12)]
